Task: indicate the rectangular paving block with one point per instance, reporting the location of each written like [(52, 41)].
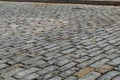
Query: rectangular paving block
[(3, 66), (68, 51), (95, 53), (67, 73), (109, 75), (82, 59), (71, 78), (50, 75), (67, 66), (32, 60), (117, 78), (84, 72), (10, 78), (54, 48), (51, 45), (56, 78), (62, 62), (37, 63), (90, 61), (12, 72), (115, 61), (111, 56), (31, 77), (47, 70), (4, 60), (100, 63), (26, 72), (104, 68), (91, 76)]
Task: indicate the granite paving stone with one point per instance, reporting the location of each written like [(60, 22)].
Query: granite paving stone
[(45, 41), (116, 78), (91, 76)]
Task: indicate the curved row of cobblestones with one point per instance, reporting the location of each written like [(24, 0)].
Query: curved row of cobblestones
[(59, 42)]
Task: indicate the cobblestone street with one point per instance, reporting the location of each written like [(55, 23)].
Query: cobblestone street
[(41, 41)]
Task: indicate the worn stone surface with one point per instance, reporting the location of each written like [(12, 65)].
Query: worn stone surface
[(100, 63), (115, 61), (104, 68), (55, 41), (56, 78), (110, 75), (116, 78), (91, 76), (84, 72)]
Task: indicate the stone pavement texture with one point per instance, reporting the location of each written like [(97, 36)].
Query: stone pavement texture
[(59, 42), (93, 2)]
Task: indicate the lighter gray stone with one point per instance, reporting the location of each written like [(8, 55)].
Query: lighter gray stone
[(26, 72), (31, 77), (71, 78), (115, 61), (3, 66), (56, 78), (109, 75), (91, 76), (100, 63), (68, 51), (47, 69), (116, 78)]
